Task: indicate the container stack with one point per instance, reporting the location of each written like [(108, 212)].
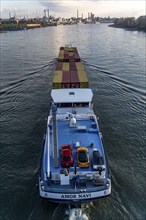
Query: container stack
[(70, 72), (68, 54)]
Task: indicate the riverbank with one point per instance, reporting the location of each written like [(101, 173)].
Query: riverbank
[(127, 27), (11, 27), (130, 23), (19, 27)]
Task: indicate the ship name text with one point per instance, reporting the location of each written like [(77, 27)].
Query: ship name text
[(74, 196)]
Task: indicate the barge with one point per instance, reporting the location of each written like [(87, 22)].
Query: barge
[(74, 167)]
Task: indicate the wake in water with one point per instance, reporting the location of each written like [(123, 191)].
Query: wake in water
[(128, 86), (71, 212), (76, 214)]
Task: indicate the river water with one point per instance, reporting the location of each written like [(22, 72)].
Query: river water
[(115, 62)]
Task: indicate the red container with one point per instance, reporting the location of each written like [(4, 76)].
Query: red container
[(75, 49), (66, 79), (73, 68), (74, 76), (77, 57), (71, 59), (74, 79), (72, 63), (66, 58), (59, 66)]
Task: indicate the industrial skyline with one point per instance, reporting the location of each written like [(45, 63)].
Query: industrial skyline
[(62, 8)]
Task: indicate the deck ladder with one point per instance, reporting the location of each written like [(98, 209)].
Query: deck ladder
[(55, 142)]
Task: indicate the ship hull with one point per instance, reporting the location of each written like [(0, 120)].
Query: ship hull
[(74, 198), (74, 167)]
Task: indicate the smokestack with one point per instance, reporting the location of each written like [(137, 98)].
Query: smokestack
[(48, 13), (44, 12), (77, 13)]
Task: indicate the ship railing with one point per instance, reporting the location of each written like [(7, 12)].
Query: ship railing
[(62, 190), (62, 117), (46, 161), (80, 175), (90, 180), (82, 117), (56, 163), (65, 116), (86, 116), (55, 177)]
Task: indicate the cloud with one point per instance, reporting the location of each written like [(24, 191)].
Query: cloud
[(19, 13), (66, 6), (98, 7)]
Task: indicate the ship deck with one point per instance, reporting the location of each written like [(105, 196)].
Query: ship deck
[(84, 134)]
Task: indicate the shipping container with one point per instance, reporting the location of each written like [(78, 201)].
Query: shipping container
[(66, 48), (61, 52), (57, 80), (65, 66), (66, 52), (72, 63), (74, 79), (59, 66), (66, 58), (58, 74), (66, 79), (79, 66), (71, 54), (70, 71), (84, 84), (69, 48), (60, 57), (82, 73), (83, 79), (72, 66), (75, 49), (71, 59)]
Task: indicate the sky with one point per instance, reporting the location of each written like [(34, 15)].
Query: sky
[(68, 8)]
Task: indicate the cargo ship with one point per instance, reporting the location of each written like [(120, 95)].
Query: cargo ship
[(74, 167)]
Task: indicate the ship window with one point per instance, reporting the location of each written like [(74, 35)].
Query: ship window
[(81, 104), (64, 105), (71, 93), (83, 157), (66, 158), (97, 158)]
